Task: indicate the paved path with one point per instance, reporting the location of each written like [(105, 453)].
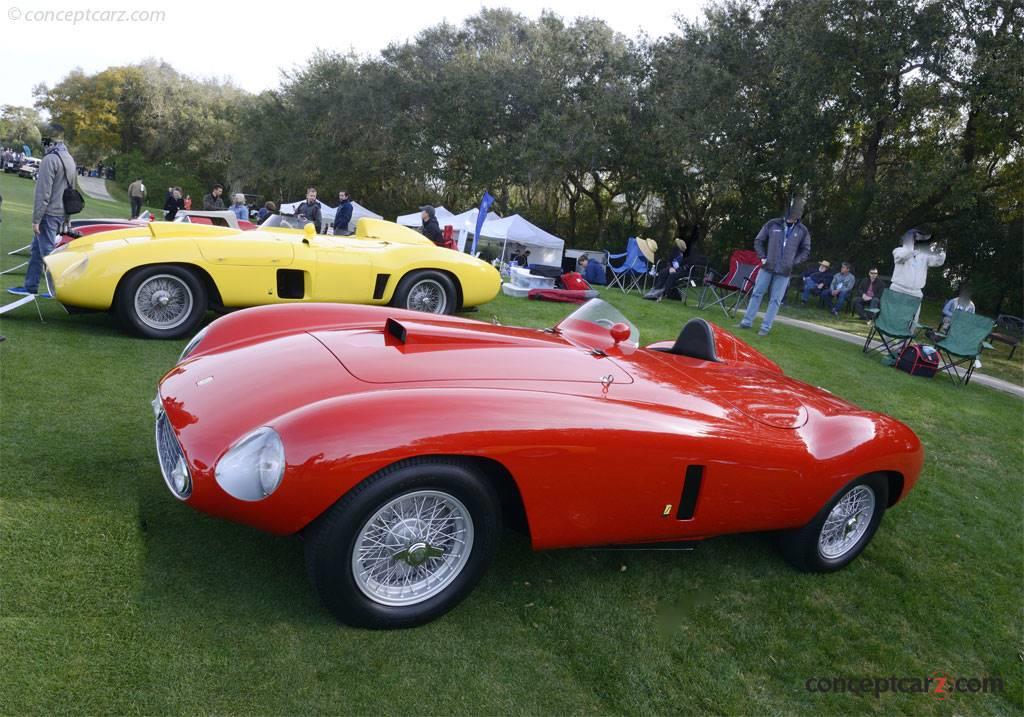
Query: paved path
[(95, 188), (996, 383)]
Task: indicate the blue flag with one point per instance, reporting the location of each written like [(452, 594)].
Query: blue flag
[(26, 150), (485, 206)]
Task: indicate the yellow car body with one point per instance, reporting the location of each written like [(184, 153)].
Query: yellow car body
[(265, 266)]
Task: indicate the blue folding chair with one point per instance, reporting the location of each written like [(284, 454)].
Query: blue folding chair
[(632, 269)]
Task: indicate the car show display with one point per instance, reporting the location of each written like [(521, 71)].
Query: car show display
[(161, 277), (397, 443)]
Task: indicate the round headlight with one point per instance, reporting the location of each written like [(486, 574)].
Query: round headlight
[(180, 478), (252, 469)]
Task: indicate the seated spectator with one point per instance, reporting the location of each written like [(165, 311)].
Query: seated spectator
[(238, 206), (839, 289), (816, 281), (668, 277), (961, 302), (267, 210), (593, 272), (868, 294)]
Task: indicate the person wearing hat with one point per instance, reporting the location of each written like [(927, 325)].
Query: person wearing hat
[(780, 244), (669, 276), (431, 229), (815, 280), (54, 176), (912, 259)]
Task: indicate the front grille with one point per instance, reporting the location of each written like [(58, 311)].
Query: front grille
[(168, 451)]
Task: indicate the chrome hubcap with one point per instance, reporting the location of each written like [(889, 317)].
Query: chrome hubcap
[(427, 295), (412, 548), (847, 522), (163, 301)]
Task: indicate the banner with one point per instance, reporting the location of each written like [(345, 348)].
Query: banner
[(485, 206)]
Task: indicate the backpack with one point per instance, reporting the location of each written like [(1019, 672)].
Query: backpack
[(918, 360), (73, 200)]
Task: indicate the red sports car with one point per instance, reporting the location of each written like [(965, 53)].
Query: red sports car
[(396, 442)]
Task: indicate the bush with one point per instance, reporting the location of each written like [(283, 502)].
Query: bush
[(157, 178)]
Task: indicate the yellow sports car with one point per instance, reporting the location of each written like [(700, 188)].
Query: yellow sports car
[(162, 278)]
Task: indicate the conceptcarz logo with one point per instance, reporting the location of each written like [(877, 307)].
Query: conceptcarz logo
[(939, 685)]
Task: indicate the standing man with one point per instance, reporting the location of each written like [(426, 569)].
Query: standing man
[(912, 259), (310, 209), (212, 202), (136, 193), (431, 230), (840, 288), (343, 214), (781, 243), (173, 204), (55, 172)]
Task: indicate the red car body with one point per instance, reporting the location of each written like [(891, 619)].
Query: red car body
[(597, 436)]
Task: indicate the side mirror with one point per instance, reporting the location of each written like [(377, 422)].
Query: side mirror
[(620, 332)]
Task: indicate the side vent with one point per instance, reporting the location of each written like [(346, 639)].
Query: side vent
[(291, 283), (382, 283), (395, 330), (691, 490)]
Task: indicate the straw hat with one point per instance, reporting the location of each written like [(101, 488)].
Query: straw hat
[(824, 264), (647, 247), (681, 244)]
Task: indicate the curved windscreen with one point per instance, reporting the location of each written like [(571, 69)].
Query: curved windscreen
[(285, 221), (591, 324)]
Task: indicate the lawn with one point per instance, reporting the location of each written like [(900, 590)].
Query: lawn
[(116, 598)]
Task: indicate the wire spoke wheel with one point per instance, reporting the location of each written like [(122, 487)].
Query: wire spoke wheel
[(163, 301), (429, 296), (412, 548), (847, 523)]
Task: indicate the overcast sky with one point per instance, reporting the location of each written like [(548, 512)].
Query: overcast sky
[(42, 40)]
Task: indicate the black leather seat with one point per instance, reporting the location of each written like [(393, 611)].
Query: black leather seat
[(696, 340)]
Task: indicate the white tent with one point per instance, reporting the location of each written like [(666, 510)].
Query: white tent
[(358, 212), (463, 224), (544, 248)]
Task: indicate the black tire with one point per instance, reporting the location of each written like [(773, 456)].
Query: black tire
[(419, 291), (333, 539), (802, 547), (186, 290)]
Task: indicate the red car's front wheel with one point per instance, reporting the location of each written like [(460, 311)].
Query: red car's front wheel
[(405, 546)]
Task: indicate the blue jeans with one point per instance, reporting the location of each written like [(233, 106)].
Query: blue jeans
[(835, 303), (42, 245), (775, 286), (810, 287)]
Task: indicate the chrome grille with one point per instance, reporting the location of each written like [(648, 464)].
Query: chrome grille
[(167, 449)]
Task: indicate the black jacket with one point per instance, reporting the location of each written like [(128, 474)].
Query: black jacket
[(312, 213), (432, 231), (171, 207), (862, 287)]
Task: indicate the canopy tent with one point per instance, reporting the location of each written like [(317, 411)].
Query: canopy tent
[(358, 212), (463, 224), (544, 248)]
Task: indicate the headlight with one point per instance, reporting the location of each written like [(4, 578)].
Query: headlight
[(191, 345), (252, 469)]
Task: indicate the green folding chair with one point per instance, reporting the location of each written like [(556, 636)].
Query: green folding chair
[(963, 344), (896, 324)]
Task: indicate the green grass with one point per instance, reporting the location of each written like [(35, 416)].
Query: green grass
[(116, 598)]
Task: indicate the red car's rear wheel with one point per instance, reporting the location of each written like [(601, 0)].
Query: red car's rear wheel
[(405, 546)]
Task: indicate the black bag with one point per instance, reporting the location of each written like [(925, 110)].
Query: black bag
[(918, 360), (73, 200)]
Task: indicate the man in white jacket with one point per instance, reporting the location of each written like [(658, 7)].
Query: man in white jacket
[(912, 261)]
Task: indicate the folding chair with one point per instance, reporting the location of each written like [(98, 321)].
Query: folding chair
[(962, 344), (735, 286), (896, 324), (629, 274)]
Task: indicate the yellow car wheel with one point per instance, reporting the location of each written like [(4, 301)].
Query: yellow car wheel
[(163, 301), (429, 291)]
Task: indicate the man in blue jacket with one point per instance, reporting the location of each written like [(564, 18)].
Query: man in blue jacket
[(54, 176), (780, 244), (343, 214)]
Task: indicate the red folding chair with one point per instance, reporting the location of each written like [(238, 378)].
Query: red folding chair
[(730, 290)]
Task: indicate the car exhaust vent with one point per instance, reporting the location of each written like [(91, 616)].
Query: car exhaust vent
[(691, 489), (291, 284), (396, 330), (382, 283)]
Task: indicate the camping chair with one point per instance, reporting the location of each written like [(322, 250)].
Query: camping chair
[(629, 274), (896, 323), (962, 345), (734, 286)]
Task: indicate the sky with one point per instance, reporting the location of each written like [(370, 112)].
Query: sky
[(42, 40)]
